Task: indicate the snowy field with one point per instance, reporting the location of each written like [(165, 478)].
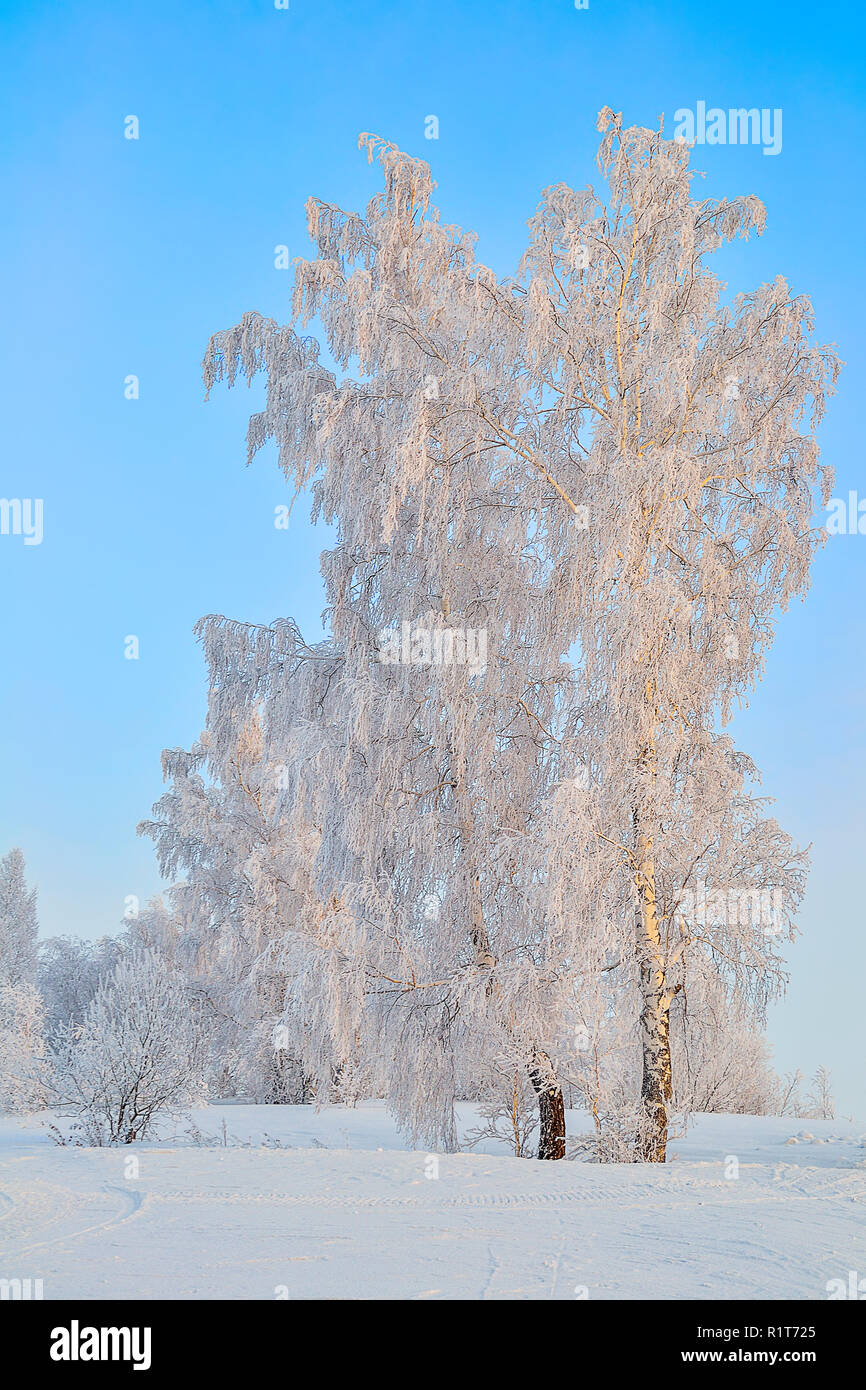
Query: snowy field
[(301, 1204)]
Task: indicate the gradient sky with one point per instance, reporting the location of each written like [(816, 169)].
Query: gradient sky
[(122, 257)]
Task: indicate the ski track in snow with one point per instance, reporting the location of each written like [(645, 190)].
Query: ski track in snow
[(330, 1213), (38, 1207)]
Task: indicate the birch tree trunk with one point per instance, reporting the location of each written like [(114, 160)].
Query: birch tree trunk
[(656, 1081), (656, 1087)]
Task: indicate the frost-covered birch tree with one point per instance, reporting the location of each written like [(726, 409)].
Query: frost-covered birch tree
[(615, 463), (701, 475), (447, 747)]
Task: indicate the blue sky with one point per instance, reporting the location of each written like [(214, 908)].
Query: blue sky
[(121, 257)]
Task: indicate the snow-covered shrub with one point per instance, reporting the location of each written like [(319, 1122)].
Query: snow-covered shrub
[(21, 1047), (509, 1113), (136, 1057), (815, 1104), (820, 1098)]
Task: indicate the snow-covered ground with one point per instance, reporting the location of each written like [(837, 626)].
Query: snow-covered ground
[(299, 1203)]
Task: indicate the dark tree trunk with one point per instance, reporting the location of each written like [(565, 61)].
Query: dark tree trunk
[(551, 1106)]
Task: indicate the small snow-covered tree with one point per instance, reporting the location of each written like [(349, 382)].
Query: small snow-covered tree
[(820, 1102), (18, 923), (21, 1008), (790, 1095), (22, 1047), (135, 1059)]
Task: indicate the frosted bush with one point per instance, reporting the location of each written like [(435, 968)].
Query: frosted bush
[(136, 1057)]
